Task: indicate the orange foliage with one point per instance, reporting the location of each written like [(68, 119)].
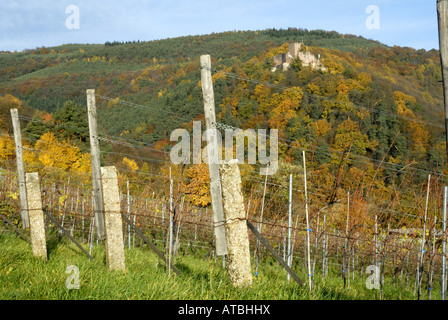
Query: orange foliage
[(160, 145)]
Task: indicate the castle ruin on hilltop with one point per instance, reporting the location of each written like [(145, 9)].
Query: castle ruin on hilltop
[(283, 61)]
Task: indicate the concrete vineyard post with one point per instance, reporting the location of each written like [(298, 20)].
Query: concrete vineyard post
[(212, 151), (96, 165), (20, 168), (112, 219), (237, 237), (36, 216)]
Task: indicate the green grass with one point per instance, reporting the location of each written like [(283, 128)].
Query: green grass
[(25, 277)]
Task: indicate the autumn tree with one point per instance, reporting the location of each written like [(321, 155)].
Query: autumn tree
[(63, 156), (7, 103), (284, 109), (7, 149), (348, 135), (197, 184), (418, 134)]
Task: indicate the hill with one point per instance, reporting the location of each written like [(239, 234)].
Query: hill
[(381, 104)]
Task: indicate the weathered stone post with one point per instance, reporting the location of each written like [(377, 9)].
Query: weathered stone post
[(36, 216), (96, 166), (20, 168), (237, 237), (212, 154), (112, 219)]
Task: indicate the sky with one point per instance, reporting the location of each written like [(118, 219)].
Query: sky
[(29, 24)]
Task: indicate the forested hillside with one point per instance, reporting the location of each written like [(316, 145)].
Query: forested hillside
[(374, 117)]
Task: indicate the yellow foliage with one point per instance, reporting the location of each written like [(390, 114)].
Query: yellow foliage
[(321, 127), (145, 73), (13, 195), (347, 132), (30, 158), (198, 185), (262, 95), (220, 75), (401, 99), (285, 106), (396, 160), (113, 102), (355, 85), (62, 200), (363, 114), (181, 73), (356, 176), (390, 79), (8, 102), (97, 59), (418, 133), (332, 66), (313, 89), (130, 164), (7, 148), (364, 79), (52, 153), (342, 88), (83, 164), (284, 48)]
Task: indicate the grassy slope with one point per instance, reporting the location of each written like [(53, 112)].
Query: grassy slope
[(27, 278)]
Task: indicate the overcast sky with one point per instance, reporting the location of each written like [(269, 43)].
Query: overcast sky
[(28, 24)]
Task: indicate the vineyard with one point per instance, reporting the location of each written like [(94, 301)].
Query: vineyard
[(344, 216)]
